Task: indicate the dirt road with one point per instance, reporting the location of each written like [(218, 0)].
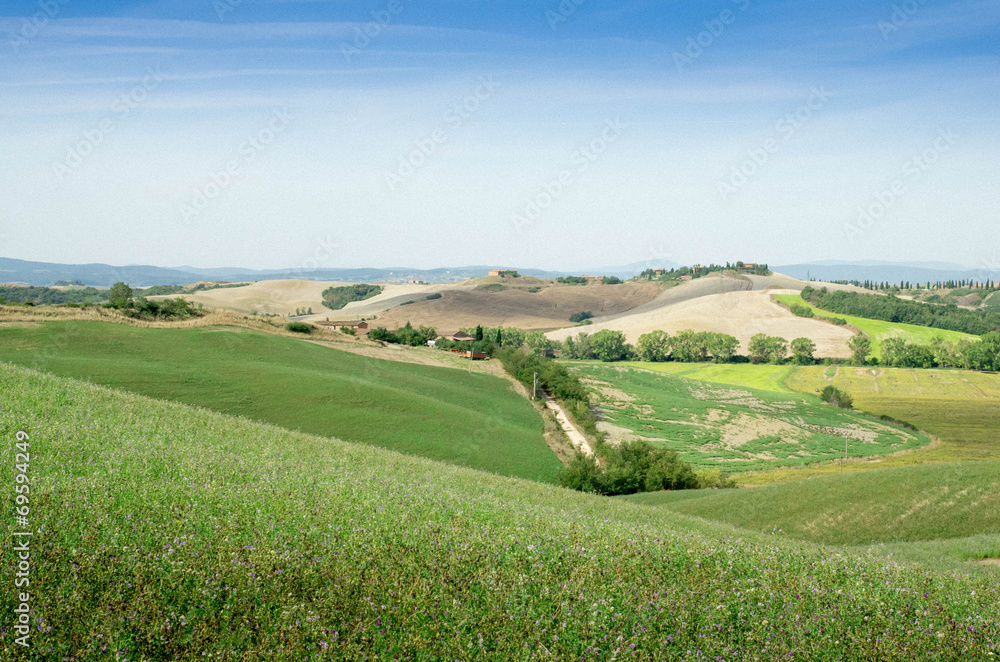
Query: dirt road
[(575, 436)]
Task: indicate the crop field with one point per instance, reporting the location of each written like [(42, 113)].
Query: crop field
[(905, 504), (446, 414), (899, 382), (175, 533), (763, 376), (878, 329), (735, 429)]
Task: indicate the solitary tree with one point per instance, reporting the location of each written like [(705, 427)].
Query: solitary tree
[(120, 295)]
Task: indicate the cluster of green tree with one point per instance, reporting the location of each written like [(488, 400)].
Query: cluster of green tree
[(336, 298), (628, 468), (583, 280), (581, 316), (699, 270), (987, 285), (834, 396), (982, 354), (70, 282), (605, 345), (120, 297), (201, 287), (892, 309), (486, 339), (304, 311), (40, 296), (636, 466), (157, 290), (404, 335), (686, 346), (435, 295)]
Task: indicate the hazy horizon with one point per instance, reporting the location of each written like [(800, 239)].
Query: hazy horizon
[(264, 134)]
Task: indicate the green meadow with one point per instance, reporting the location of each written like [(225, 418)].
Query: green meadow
[(905, 504), (473, 420), (736, 429), (166, 532)]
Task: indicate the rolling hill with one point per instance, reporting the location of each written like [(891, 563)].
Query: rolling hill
[(178, 533), (447, 414)]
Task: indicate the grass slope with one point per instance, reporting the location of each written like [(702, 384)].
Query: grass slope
[(469, 419), (164, 532), (737, 430), (878, 330), (928, 502)]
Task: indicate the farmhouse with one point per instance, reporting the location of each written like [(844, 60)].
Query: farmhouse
[(503, 272), (359, 326), (686, 277), (460, 336), (659, 272)]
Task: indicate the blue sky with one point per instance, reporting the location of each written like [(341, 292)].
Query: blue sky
[(277, 133)]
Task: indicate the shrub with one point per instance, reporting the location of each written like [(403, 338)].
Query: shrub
[(581, 316), (834, 396), (299, 327), (801, 311), (436, 295), (629, 467)]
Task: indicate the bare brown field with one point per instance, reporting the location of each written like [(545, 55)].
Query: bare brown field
[(740, 314), (516, 307), (266, 297)]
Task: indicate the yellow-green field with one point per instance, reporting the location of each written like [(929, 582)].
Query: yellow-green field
[(877, 330), (901, 382), (766, 377)]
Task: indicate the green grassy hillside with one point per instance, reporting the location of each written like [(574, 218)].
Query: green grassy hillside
[(736, 430), (170, 533), (877, 330), (445, 414), (928, 502)]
